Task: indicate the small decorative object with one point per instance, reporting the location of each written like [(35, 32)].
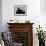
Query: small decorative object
[(20, 10), (27, 21), (11, 20), (14, 21), (41, 36)]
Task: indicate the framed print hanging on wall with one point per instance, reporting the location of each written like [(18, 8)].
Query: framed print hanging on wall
[(20, 10)]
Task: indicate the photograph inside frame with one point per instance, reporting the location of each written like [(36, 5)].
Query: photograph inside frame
[(20, 10)]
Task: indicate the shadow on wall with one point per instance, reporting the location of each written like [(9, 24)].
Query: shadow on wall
[(0, 15)]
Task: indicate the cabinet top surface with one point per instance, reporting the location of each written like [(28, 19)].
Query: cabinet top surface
[(19, 23)]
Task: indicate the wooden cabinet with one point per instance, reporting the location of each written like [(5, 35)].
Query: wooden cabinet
[(22, 33)]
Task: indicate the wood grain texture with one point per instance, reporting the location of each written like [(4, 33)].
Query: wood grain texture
[(23, 27)]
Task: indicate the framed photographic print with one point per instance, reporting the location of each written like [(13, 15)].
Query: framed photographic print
[(20, 10)]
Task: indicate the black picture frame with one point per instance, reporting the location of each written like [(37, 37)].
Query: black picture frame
[(20, 10)]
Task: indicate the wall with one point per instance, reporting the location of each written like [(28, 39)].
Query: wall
[(33, 14), (43, 6), (0, 15), (43, 14)]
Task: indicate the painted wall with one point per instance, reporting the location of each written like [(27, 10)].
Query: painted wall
[(0, 15), (43, 14), (43, 6), (33, 14)]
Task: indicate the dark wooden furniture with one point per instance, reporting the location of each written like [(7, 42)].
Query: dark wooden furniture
[(22, 33)]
